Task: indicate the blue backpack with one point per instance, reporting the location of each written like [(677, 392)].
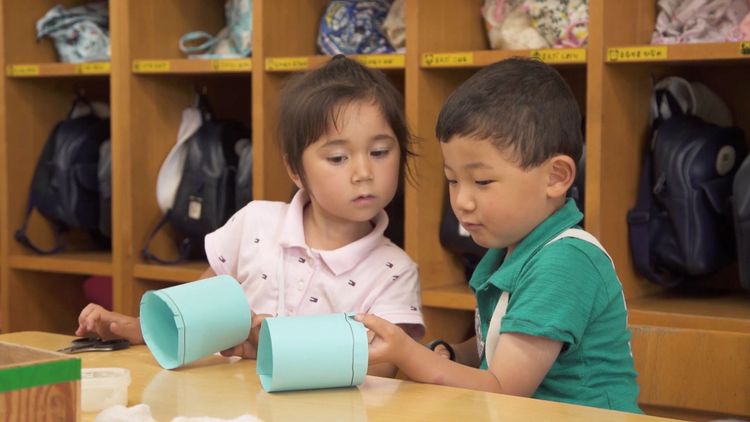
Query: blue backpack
[(681, 226), (65, 186)]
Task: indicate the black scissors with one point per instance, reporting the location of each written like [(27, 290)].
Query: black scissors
[(88, 344)]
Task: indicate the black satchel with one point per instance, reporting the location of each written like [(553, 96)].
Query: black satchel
[(680, 228), (206, 196), (65, 185), (741, 214)]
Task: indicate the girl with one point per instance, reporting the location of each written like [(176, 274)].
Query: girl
[(344, 141)]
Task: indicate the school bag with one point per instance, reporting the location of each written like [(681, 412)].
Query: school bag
[(205, 195), (680, 228), (741, 215), (65, 184)]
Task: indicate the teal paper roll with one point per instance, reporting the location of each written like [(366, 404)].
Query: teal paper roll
[(184, 323), (308, 352)]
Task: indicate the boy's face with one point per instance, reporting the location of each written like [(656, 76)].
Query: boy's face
[(352, 170), (494, 199)]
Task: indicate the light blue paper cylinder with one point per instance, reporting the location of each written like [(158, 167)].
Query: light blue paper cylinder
[(184, 323), (309, 352)]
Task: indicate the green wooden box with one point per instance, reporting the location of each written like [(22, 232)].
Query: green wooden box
[(38, 385)]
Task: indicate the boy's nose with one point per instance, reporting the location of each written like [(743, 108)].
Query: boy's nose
[(463, 200)]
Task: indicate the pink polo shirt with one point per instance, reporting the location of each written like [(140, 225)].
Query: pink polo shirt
[(265, 242)]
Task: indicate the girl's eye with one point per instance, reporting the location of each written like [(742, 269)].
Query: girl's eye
[(380, 153), (450, 181), (336, 159), (483, 182)]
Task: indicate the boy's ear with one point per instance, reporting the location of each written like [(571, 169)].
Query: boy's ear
[(292, 175), (562, 174)]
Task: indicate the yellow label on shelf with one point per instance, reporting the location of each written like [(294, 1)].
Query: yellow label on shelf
[(93, 68), (232, 65), (287, 63), (447, 59), (382, 61), (22, 70), (151, 66), (636, 54), (745, 48), (560, 55)]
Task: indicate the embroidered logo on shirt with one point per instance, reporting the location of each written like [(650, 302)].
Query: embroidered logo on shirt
[(389, 265), (256, 240), (352, 283), (301, 260), (221, 258), (395, 277), (313, 299), (413, 308), (263, 276)]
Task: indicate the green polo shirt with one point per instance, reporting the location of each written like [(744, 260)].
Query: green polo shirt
[(566, 291)]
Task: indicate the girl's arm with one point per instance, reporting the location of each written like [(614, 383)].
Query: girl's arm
[(519, 365), (466, 352)]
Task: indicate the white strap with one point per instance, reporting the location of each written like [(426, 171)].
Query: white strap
[(493, 331)]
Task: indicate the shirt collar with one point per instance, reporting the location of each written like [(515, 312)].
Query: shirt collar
[(338, 260), (486, 272)]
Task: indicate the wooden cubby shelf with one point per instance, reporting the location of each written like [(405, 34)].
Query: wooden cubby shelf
[(674, 333), (188, 66), (452, 296), (84, 263), (175, 274), (283, 64), (676, 53), (42, 70), (481, 58)]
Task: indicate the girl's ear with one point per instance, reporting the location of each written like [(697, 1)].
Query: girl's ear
[(292, 175), (562, 174)]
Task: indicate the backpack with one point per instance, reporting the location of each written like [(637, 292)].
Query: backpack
[(206, 195), (741, 215), (65, 184), (680, 228)]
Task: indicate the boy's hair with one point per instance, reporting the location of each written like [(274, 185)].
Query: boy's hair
[(520, 105), (314, 100)]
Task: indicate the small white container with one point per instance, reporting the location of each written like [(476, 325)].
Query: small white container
[(103, 387)]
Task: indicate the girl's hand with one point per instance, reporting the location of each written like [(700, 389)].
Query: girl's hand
[(390, 339), (108, 325), (249, 348)]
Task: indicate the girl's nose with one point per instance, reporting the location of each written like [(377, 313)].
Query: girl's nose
[(362, 171)]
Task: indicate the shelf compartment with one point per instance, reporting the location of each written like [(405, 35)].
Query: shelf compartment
[(192, 66), (678, 53), (42, 70), (454, 296), (480, 58), (182, 273), (303, 63), (85, 263), (728, 311)]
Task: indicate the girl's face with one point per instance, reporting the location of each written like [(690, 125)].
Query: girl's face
[(352, 170)]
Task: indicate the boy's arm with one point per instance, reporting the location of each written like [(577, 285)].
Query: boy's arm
[(519, 365)]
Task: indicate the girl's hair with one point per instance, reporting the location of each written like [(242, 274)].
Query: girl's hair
[(313, 101)]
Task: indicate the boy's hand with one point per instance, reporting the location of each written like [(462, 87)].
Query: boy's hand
[(249, 348), (389, 341), (108, 325)]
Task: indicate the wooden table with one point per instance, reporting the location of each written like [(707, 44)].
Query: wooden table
[(227, 388)]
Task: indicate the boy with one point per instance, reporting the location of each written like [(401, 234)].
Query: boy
[(551, 317)]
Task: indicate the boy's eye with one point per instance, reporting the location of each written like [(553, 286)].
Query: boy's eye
[(483, 182), (450, 181), (336, 159)]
